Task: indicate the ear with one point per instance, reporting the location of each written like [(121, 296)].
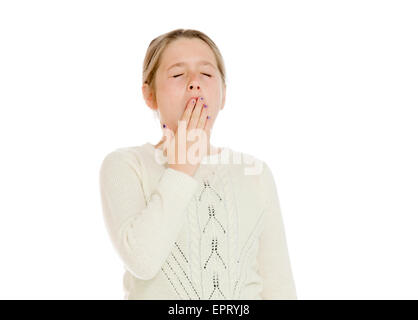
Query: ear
[(223, 98), (149, 96)]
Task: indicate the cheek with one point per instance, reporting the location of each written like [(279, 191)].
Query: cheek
[(167, 86), (173, 89), (169, 95)]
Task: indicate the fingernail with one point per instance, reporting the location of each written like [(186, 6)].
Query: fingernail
[(163, 125), (193, 101), (201, 98), (205, 106), (208, 117)]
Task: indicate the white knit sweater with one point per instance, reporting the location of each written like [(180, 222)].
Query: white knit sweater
[(216, 235)]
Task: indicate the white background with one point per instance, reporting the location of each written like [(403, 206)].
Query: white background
[(324, 91)]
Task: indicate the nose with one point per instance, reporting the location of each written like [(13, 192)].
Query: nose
[(193, 83), (193, 86)]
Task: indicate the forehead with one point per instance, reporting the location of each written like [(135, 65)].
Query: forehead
[(187, 51)]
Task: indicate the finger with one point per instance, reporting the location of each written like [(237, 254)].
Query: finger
[(187, 113), (208, 125), (194, 118), (167, 135), (202, 119), (168, 138)]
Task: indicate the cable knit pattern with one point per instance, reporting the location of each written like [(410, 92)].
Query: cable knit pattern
[(218, 236), (229, 202)]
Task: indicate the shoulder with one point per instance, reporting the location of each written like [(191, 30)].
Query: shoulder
[(248, 165), (132, 157), (251, 171), (128, 153), (253, 179), (259, 172)]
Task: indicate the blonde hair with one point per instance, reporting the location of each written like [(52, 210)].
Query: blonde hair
[(157, 46)]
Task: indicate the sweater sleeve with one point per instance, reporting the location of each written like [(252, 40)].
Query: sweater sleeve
[(273, 257), (142, 230)]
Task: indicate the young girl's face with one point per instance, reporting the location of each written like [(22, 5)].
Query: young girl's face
[(176, 85)]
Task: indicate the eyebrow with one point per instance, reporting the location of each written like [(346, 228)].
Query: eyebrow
[(201, 62)]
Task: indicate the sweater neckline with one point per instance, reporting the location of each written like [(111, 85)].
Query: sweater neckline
[(207, 159)]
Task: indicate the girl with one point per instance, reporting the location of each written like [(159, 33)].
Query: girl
[(201, 228)]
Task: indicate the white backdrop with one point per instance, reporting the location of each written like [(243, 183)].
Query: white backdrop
[(324, 91)]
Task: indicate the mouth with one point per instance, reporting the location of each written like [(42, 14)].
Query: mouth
[(190, 99)]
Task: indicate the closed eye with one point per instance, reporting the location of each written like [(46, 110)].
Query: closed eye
[(178, 75)]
